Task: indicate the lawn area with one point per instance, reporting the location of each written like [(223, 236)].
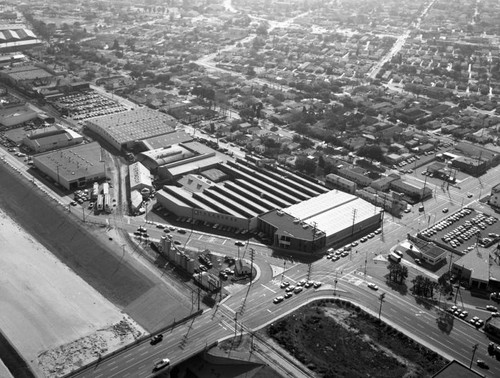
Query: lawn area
[(333, 339)]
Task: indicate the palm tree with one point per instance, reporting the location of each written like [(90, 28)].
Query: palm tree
[(403, 274)]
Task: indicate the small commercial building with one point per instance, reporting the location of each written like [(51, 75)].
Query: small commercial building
[(51, 138), (423, 250), (474, 267), (73, 167), (334, 181), (16, 115), (139, 177), (417, 193), (495, 196)]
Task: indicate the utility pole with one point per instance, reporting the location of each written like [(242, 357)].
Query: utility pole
[(381, 299), (251, 263), (474, 348), (366, 260), (235, 324), (284, 268), (335, 282), (353, 220), (199, 298)]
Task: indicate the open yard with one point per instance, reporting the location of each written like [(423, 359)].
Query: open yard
[(335, 340)]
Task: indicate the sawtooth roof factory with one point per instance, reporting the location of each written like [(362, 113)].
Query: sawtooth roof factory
[(295, 213)]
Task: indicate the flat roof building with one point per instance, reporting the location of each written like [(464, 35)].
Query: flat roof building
[(330, 218), (51, 138), (72, 167)]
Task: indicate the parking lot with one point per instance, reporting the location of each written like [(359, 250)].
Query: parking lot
[(464, 230), (87, 105)]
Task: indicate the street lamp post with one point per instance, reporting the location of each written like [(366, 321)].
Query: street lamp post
[(474, 348)]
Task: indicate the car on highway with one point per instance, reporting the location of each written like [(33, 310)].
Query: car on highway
[(278, 299), (290, 288), (284, 284), (161, 364), (482, 364), (156, 339), (469, 195), (475, 321), (372, 286), (445, 210)]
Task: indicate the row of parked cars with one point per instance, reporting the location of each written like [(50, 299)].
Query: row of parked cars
[(334, 255)]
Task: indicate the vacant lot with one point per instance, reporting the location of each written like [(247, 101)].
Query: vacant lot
[(334, 340)]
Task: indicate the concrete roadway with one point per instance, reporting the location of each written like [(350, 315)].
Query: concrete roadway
[(259, 310)]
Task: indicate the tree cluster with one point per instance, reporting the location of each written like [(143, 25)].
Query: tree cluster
[(423, 286), (397, 273)]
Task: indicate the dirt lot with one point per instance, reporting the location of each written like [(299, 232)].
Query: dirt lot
[(338, 341), (44, 304)]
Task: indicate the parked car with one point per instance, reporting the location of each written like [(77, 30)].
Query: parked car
[(372, 286)]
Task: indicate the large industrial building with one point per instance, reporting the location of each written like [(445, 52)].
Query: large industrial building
[(16, 37), (296, 213), (73, 167), (126, 129)]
